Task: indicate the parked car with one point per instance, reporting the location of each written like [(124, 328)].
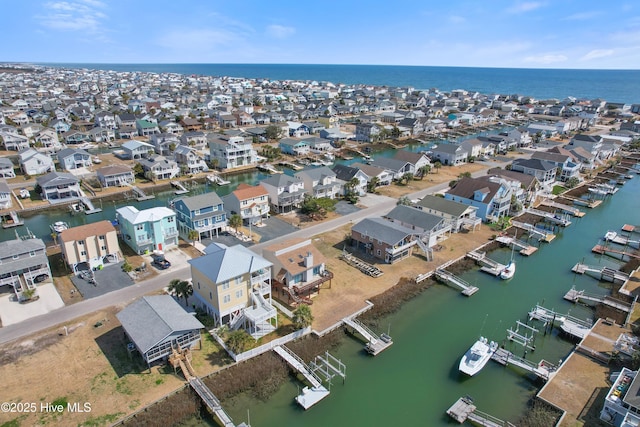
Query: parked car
[(161, 263)]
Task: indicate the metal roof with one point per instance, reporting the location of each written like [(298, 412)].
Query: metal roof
[(382, 230), (222, 263)]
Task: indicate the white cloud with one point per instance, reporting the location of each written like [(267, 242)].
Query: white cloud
[(80, 15), (280, 31), (523, 7), (545, 59), (597, 53)]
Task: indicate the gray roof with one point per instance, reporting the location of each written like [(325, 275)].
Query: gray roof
[(149, 320), (344, 172), (5, 162), (414, 216), (390, 163), (279, 180), (550, 157), (56, 178), (21, 247), (4, 187), (441, 204), (381, 229), (222, 262), (201, 201), (317, 173), (66, 152), (448, 148), (536, 164)]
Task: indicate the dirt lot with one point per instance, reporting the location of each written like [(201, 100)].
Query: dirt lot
[(91, 365)]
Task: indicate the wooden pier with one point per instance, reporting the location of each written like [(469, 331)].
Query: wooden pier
[(534, 232), (452, 280), (309, 396), (566, 208), (487, 264), (601, 273), (11, 220), (542, 370), (375, 344), (613, 237), (180, 189), (525, 248), (574, 295), (570, 325), (464, 409), (89, 208), (560, 220), (605, 250)]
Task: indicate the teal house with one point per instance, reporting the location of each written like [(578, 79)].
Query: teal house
[(148, 230)]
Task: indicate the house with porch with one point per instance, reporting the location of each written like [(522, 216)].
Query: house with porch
[(567, 167), (381, 176), (47, 140), (383, 239), (23, 264), (189, 160), (6, 168), (91, 244), (458, 215), (293, 147), (351, 179), (320, 182), (367, 132), (74, 158), (14, 141), (417, 160), (147, 128), (203, 214), (450, 154), (32, 162), (231, 151), (318, 145), (428, 228), (59, 187), (147, 230), (299, 270), (157, 324), (164, 143), (249, 201), (135, 150), (544, 171), (158, 167), (492, 199), (233, 285), (286, 193), (115, 176), (397, 168)]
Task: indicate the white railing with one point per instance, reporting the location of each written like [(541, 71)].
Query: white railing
[(263, 348)]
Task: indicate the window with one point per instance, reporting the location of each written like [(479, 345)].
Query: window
[(101, 237), (81, 242), (238, 280), (198, 285), (16, 256), (171, 219), (83, 253), (227, 298), (239, 293), (210, 296), (32, 253), (225, 285), (140, 227), (104, 248), (378, 252)]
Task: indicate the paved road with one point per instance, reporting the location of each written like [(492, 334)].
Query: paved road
[(378, 205)]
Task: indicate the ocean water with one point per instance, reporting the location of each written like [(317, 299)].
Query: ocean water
[(612, 85)]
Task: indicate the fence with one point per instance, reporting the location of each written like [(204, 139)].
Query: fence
[(263, 348)]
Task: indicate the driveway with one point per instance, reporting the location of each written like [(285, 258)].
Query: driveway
[(273, 228), (110, 278), (13, 312), (345, 208)]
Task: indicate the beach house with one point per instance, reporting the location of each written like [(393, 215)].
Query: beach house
[(203, 214), (147, 230), (90, 246)]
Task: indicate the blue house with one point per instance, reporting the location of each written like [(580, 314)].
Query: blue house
[(72, 158), (148, 230), (293, 147), (203, 213), (493, 199)]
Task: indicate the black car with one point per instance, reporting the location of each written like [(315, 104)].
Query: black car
[(161, 263)]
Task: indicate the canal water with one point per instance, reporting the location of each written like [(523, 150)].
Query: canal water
[(416, 380)]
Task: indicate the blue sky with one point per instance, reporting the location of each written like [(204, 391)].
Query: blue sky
[(493, 33)]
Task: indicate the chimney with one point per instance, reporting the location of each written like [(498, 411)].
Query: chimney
[(308, 260)]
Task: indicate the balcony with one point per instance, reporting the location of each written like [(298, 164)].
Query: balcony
[(260, 278), (310, 286), (168, 234), (144, 241), (399, 248)]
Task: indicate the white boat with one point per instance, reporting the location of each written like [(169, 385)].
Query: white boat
[(477, 356), (59, 226), (610, 235), (24, 193), (508, 271)]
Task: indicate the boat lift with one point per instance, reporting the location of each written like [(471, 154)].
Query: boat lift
[(524, 339)]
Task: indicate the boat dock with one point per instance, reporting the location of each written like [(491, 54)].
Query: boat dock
[(613, 237), (211, 401), (290, 165), (268, 167), (534, 232), (11, 220), (561, 220), (601, 273), (525, 248), (542, 370), (628, 228), (488, 265), (180, 189), (137, 191), (565, 208), (571, 325), (309, 396), (464, 409), (214, 178), (574, 295), (89, 208), (605, 250), (375, 344), (445, 277)]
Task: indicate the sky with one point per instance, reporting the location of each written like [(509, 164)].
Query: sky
[(476, 33)]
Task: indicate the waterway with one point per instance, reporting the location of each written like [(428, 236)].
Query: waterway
[(417, 379)]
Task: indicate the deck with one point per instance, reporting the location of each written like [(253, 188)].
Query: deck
[(601, 273), (375, 344), (487, 264), (542, 370), (452, 280), (464, 409), (309, 396)]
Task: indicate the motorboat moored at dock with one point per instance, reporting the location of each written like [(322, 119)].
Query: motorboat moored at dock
[(477, 356)]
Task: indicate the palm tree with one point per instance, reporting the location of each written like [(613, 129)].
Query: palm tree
[(235, 221), (372, 184), (437, 165), (193, 236), (302, 316), (406, 178), (182, 289), (424, 170), (238, 341)]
